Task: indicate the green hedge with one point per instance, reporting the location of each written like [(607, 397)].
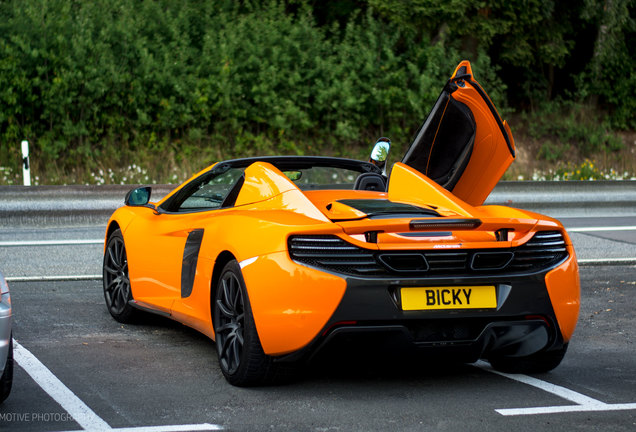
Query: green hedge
[(80, 79), (89, 80)]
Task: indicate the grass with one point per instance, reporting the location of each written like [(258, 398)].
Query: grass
[(559, 141), (568, 141), (531, 164)]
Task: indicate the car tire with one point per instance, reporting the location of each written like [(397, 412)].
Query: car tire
[(543, 361), (6, 380), (117, 292), (241, 357)]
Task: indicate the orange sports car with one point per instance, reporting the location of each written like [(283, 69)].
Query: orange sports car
[(276, 257)]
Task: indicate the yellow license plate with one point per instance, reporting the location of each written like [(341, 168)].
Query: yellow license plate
[(459, 297)]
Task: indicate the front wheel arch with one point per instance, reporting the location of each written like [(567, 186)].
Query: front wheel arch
[(112, 227), (116, 280)]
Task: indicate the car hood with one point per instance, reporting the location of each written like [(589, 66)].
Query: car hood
[(463, 145)]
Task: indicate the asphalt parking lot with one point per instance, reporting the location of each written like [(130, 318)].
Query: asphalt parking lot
[(80, 370), (160, 375)]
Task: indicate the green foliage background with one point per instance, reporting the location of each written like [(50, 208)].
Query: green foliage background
[(184, 80)]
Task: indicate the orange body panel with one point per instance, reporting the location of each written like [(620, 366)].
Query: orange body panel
[(565, 292), (407, 185), (289, 311), (490, 157), (282, 193), (152, 275), (263, 181)]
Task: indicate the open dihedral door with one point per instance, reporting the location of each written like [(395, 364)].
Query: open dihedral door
[(463, 145)]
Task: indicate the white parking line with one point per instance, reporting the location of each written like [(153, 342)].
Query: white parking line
[(173, 428), (52, 278), (566, 409), (79, 411), (58, 242), (583, 403), (609, 228)]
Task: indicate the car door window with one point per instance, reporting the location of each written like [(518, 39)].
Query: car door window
[(207, 192)]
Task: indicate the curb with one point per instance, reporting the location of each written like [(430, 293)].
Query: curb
[(92, 205), (607, 262), (74, 205), (568, 198)]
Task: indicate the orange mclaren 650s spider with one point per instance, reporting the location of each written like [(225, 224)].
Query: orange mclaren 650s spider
[(275, 258)]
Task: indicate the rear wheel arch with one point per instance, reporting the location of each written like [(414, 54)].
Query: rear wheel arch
[(220, 263), (540, 362), (240, 353)]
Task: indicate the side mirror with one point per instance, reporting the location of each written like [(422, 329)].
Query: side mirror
[(293, 175), (138, 197), (380, 152)]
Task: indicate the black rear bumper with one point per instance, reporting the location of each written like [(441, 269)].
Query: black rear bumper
[(370, 314)]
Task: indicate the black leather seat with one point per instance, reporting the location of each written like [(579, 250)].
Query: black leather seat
[(370, 182)]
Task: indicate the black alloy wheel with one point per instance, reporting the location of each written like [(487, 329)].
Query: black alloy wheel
[(241, 356), (117, 292), (230, 319)]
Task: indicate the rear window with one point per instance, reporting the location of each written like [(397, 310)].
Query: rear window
[(382, 208)]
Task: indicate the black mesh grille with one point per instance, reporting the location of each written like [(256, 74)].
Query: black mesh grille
[(448, 262), (541, 251), (335, 254), (544, 250)]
